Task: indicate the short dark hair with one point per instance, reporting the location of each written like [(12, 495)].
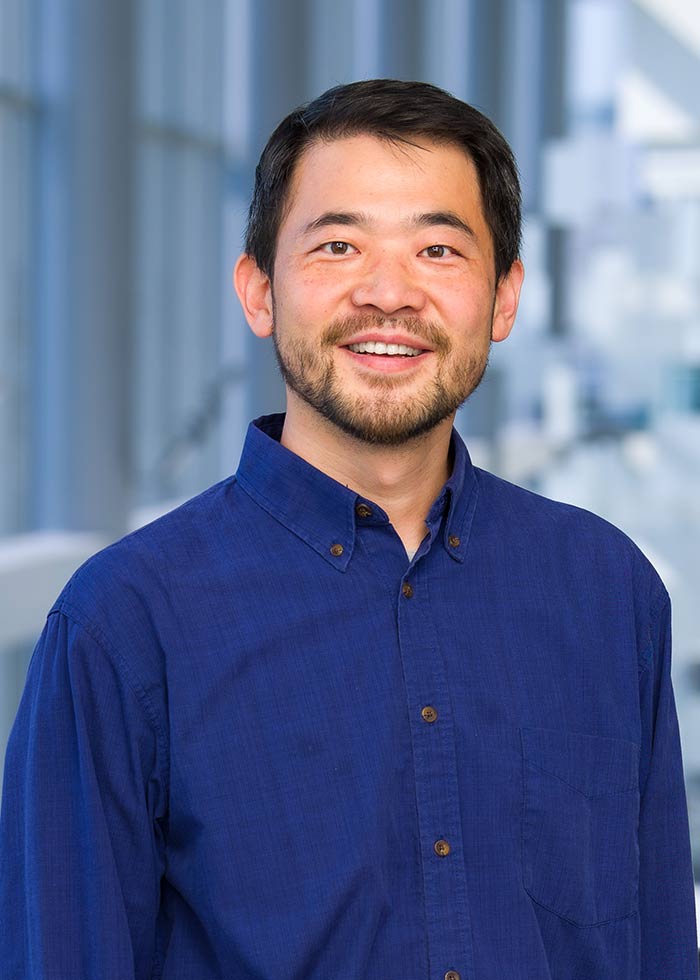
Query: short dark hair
[(395, 111)]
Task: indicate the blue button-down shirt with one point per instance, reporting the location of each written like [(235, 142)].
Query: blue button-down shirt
[(257, 741)]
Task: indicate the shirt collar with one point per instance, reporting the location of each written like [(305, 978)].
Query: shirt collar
[(324, 513)]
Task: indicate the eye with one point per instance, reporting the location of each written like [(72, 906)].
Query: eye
[(438, 251), (337, 248)]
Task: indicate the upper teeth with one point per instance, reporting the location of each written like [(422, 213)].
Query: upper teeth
[(377, 347)]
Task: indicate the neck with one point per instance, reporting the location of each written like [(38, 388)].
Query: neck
[(404, 480)]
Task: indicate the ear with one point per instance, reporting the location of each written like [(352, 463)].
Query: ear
[(506, 301), (255, 295)]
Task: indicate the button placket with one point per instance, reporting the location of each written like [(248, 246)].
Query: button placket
[(437, 792)]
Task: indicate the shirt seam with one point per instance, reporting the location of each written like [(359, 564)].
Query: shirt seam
[(647, 657), (469, 515), (449, 740), (72, 612), (582, 925)]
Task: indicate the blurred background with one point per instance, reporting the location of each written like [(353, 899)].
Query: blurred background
[(129, 131)]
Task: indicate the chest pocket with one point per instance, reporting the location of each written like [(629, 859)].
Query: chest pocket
[(580, 853)]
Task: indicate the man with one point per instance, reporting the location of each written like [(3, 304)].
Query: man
[(361, 711)]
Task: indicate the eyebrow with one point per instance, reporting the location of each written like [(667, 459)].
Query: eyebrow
[(358, 219), (449, 218)]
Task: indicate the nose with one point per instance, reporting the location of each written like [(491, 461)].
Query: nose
[(389, 287)]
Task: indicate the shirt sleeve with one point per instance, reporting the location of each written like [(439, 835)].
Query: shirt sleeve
[(81, 853), (667, 902)]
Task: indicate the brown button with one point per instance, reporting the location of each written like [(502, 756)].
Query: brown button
[(407, 590), (429, 713), (442, 848), (452, 975), (362, 510), (336, 550), (454, 543)]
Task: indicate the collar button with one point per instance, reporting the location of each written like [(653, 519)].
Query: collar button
[(337, 550), (362, 510)]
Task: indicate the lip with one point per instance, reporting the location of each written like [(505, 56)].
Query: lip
[(387, 365), (408, 340)]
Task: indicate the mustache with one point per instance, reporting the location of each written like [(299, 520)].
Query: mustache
[(346, 327)]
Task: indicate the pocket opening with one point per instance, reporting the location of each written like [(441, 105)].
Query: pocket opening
[(580, 855)]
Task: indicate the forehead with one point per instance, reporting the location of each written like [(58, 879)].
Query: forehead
[(368, 173)]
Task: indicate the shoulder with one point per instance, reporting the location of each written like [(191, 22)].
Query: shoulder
[(567, 537), (526, 513), (124, 592)]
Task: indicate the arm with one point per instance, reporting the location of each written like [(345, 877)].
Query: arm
[(667, 905), (81, 852)]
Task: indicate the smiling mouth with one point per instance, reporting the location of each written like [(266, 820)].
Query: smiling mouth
[(387, 350)]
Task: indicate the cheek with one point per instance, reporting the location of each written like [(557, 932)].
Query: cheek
[(303, 311), (462, 316), (470, 303), (312, 288)]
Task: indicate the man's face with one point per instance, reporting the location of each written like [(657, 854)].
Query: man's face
[(384, 302)]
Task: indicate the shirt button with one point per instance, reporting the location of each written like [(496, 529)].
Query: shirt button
[(452, 975), (336, 550), (454, 543), (406, 590), (442, 848), (429, 714), (362, 510)]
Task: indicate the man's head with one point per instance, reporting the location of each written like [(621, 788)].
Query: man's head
[(398, 112), (382, 257)]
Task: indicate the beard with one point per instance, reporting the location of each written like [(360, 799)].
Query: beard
[(389, 417)]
